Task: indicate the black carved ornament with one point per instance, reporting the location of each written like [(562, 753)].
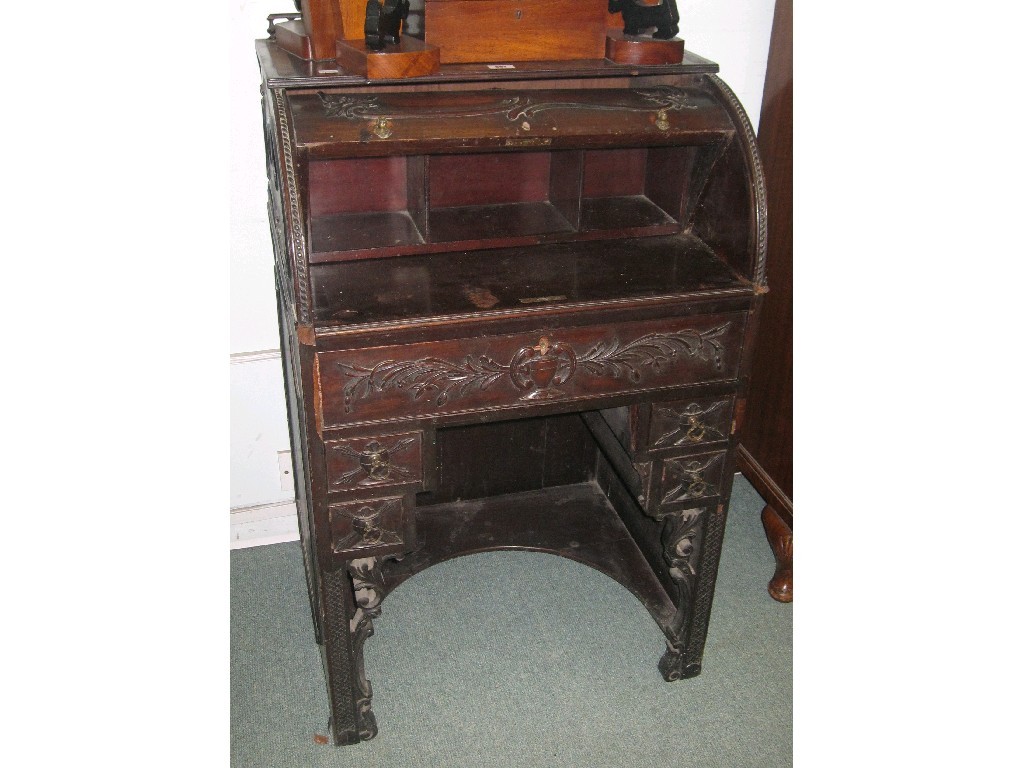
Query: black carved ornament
[(640, 16), (384, 22)]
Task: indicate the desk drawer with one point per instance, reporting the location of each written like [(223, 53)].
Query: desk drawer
[(690, 478), (498, 372), (379, 461), (370, 528), (690, 423), (667, 484)]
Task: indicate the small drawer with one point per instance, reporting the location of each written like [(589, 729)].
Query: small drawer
[(381, 461), (498, 372), (370, 527), (690, 423), (688, 478)]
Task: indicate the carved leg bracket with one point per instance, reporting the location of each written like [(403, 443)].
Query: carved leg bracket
[(780, 538), (692, 541), (368, 585), (352, 600), (681, 541)]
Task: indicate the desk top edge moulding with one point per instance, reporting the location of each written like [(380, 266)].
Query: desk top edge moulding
[(552, 252)]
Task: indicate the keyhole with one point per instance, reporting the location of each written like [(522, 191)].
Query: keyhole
[(519, 15)]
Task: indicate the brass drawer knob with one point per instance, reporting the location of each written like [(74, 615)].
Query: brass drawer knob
[(382, 128)]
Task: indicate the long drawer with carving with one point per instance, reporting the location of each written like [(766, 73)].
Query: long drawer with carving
[(496, 372)]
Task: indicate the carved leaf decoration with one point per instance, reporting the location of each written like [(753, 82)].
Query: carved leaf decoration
[(401, 445), (347, 450), (513, 109), (348, 477), (654, 350), (420, 377), (607, 358), (681, 542), (668, 97), (349, 107)]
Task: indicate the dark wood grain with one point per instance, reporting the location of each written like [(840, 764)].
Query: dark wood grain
[(517, 278), (768, 432), (614, 172), (487, 179), (544, 452), (766, 457), (358, 185)]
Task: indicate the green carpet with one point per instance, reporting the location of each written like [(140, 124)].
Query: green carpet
[(519, 659)]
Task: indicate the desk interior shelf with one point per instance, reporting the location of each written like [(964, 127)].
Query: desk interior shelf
[(508, 279), (372, 207)]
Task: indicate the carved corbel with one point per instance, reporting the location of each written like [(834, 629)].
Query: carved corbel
[(681, 541), (368, 586)]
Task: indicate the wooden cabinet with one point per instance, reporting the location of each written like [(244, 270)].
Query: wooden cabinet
[(766, 454), (517, 310)]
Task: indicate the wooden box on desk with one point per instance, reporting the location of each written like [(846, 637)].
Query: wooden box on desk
[(516, 30)]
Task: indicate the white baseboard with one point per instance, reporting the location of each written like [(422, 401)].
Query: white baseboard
[(264, 524)]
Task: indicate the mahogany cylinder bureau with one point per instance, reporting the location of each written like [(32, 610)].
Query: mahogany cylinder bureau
[(516, 310)]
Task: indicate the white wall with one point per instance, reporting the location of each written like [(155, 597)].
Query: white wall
[(734, 33)]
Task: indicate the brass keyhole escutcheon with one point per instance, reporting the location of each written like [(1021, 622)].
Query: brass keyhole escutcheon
[(519, 14), (662, 121)]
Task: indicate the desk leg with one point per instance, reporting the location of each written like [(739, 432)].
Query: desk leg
[(351, 600), (692, 548), (780, 539)]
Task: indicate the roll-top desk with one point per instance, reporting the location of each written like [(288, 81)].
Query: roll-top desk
[(516, 310)]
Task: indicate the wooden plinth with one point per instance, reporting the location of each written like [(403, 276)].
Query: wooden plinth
[(410, 58), (623, 49), (291, 35), (497, 31)]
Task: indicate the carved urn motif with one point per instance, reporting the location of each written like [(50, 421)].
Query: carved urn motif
[(541, 369)]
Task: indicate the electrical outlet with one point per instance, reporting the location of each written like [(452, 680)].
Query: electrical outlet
[(284, 463)]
